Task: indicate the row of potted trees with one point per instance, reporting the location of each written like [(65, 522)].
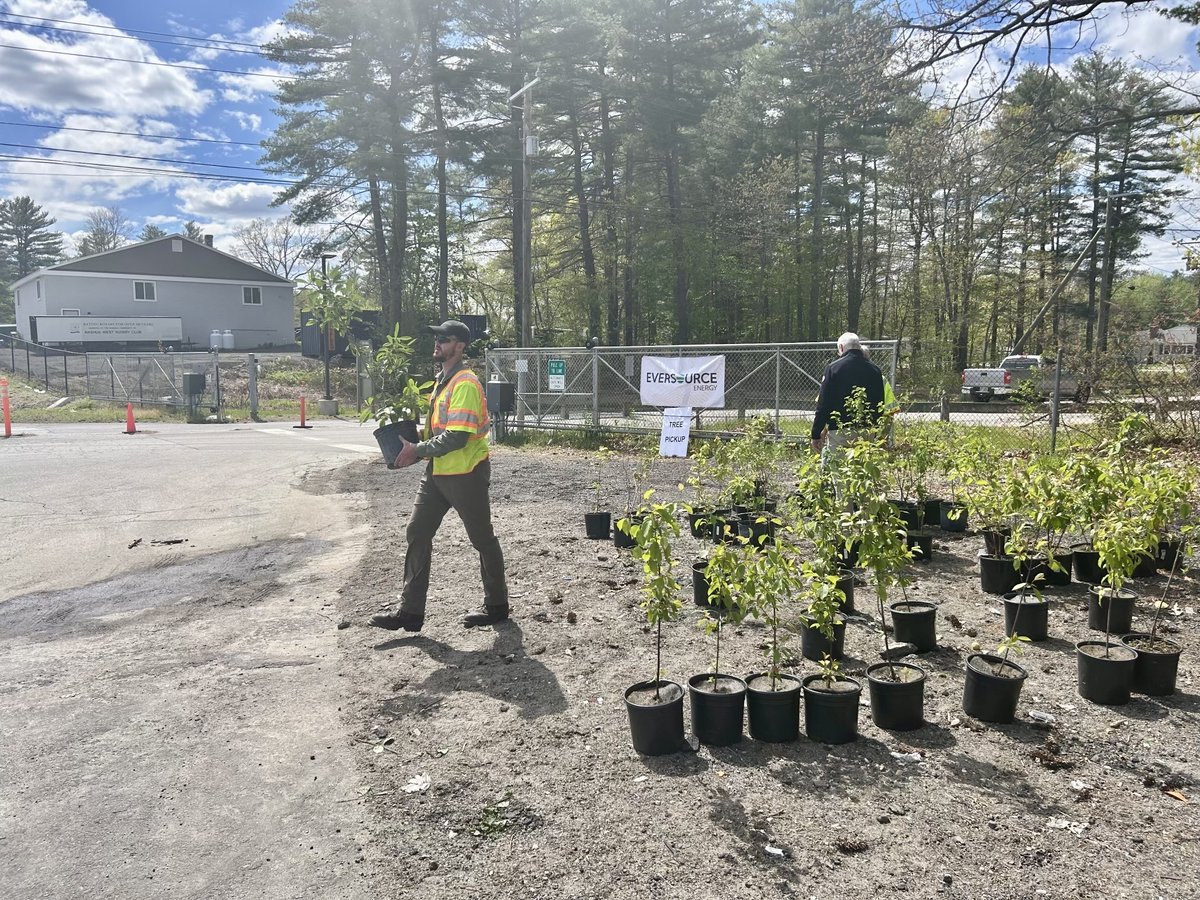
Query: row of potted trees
[(1130, 503), (789, 572), (789, 576)]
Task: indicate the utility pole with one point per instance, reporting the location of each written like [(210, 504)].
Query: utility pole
[(327, 335), (524, 305)]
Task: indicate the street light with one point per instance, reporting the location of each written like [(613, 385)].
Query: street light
[(326, 336)]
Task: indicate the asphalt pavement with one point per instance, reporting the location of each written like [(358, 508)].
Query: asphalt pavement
[(169, 681)]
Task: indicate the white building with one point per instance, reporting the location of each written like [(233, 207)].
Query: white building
[(171, 276)]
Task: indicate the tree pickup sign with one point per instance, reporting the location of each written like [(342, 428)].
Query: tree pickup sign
[(556, 369)]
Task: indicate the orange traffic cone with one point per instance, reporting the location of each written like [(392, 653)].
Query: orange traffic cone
[(130, 427)]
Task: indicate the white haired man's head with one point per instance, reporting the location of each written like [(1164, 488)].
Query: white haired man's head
[(849, 341)]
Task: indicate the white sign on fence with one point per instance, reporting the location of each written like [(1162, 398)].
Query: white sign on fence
[(676, 429), (683, 381)]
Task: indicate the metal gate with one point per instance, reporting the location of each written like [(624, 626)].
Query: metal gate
[(581, 388)]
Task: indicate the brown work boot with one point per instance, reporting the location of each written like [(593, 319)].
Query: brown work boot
[(491, 615), (397, 621)]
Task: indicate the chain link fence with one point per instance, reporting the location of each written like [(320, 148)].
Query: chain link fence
[(203, 382), (598, 389)]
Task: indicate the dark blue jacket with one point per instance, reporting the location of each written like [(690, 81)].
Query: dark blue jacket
[(849, 371)]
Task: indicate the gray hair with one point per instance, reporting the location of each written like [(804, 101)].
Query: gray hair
[(849, 341)]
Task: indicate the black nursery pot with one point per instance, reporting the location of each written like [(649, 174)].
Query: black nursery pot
[(700, 522), (1030, 618), (897, 704), (933, 512), (1118, 619), (831, 713), (997, 575), (1105, 679), (1087, 564), (717, 709), (773, 716), (949, 523), (623, 540), (994, 540), (908, 513), (987, 696), (915, 622), (598, 525), (814, 645), (700, 585), (656, 728), (848, 558), (758, 528), (1168, 551), (725, 527), (388, 437), (845, 584), (920, 542), (1156, 669), (1051, 577)]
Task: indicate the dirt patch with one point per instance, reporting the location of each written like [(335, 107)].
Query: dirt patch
[(499, 761)]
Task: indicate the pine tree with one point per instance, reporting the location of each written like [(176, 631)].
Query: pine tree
[(26, 241)]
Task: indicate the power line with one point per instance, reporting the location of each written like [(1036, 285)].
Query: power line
[(147, 171), (128, 30), (144, 62), (161, 137), (209, 45), (178, 162)]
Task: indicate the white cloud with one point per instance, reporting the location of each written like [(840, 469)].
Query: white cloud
[(227, 203), (43, 77), (247, 121)]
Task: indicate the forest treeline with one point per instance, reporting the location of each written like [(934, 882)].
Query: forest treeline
[(714, 170)]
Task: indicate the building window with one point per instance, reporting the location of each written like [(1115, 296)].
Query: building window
[(68, 312), (176, 246), (144, 290), (251, 296), (38, 284)]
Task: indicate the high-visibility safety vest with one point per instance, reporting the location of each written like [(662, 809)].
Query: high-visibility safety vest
[(459, 405)]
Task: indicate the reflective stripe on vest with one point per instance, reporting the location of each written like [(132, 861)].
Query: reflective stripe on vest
[(465, 412)]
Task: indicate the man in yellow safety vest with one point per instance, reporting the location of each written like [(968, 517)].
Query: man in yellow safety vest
[(458, 476)]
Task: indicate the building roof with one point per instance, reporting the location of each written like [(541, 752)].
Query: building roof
[(157, 259)]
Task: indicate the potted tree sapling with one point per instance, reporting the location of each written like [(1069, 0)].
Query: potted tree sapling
[(1157, 666), (398, 400), (830, 698), (1121, 538), (717, 698), (598, 522), (772, 696), (636, 476), (897, 690), (993, 683), (1026, 612), (655, 707)]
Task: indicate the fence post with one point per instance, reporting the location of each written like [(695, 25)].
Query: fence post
[(46, 367), (777, 397), (252, 374), (595, 386), (66, 385), (1054, 401)]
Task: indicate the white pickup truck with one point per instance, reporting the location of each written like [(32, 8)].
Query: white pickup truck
[(982, 385)]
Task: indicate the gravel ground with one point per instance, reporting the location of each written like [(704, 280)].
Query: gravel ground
[(498, 763)]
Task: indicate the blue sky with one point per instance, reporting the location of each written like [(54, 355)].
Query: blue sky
[(71, 108), (54, 105)]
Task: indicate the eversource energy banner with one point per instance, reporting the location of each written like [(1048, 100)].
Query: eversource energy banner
[(692, 381)]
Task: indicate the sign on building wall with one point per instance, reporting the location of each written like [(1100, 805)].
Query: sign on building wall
[(81, 329), (693, 381)]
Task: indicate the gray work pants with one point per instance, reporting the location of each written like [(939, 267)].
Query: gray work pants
[(468, 496)]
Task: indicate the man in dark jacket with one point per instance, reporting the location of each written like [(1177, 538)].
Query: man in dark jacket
[(852, 369)]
